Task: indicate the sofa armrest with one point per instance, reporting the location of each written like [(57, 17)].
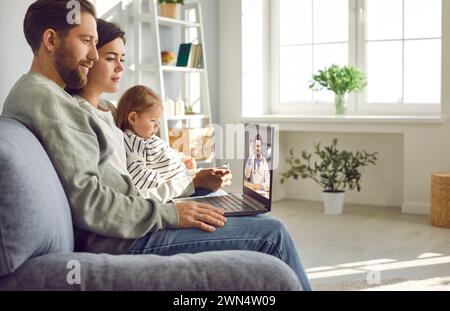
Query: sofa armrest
[(223, 271)]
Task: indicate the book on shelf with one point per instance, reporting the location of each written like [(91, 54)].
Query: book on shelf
[(198, 57), (183, 54), (190, 55)]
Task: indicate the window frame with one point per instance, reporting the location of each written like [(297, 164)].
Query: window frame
[(357, 102)]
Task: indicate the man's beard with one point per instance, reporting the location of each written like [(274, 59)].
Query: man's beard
[(69, 68)]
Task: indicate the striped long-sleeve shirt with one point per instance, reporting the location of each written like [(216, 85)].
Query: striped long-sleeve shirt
[(151, 161)]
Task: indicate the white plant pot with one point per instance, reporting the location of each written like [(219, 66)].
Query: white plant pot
[(333, 202)]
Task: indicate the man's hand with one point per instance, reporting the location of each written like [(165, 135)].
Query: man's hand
[(199, 215), (212, 179)]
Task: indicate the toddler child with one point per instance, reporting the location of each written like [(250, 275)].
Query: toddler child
[(150, 159)]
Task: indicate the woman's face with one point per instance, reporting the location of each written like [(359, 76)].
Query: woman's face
[(107, 71)]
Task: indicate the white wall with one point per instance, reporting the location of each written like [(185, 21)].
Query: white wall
[(386, 177), (230, 71), (15, 54), (409, 153)]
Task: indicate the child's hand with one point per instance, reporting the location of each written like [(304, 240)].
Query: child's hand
[(190, 163)]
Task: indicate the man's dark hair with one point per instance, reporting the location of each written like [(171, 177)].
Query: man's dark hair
[(258, 137), (50, 14), (108, 32)]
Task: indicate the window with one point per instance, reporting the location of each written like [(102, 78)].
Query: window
[(397, 43)]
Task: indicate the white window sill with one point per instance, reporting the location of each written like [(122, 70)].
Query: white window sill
[(346, 119), (347, 124)]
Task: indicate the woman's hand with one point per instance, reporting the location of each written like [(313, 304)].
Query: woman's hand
[(199, 215)]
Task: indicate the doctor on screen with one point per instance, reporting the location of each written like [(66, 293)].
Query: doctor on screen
[(257, 169)]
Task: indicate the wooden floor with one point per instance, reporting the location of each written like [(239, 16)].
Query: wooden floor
[(368, 247)]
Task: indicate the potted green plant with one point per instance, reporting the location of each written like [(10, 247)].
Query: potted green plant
[(335, 171), (189, 110), (170, 8), (341, 81)]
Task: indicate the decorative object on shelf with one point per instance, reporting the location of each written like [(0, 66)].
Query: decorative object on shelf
[(169, 107), (334, 172), (179, 107), (189, 109), (168, 58), (340, 80), (195, 142), (170, 8)]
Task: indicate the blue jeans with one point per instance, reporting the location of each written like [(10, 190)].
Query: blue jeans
[(254, 233)]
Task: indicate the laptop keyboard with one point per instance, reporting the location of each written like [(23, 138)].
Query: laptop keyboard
[(231, 202)]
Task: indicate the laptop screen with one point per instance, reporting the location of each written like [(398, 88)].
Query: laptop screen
[(258, 162)]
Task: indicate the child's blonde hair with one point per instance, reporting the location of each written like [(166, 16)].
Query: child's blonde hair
[(139, 98)]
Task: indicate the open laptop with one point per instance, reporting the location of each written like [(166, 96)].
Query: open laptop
[(257, 177)]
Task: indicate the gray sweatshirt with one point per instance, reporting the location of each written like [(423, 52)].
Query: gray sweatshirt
[(107, 211)]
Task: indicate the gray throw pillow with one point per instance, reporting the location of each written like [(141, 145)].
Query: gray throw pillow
[(34, 212)]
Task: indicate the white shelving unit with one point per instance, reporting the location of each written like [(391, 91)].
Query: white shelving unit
[(154, 34)]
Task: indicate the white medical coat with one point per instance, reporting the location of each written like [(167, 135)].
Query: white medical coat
[(258, 172)]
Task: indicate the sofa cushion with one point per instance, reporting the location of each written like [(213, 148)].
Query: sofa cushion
[(34, 212), (207, 271)]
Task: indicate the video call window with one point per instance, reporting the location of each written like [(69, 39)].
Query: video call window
[(258, 159)]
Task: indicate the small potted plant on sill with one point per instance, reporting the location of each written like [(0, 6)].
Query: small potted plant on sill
[(170, 8), (341, 81), (335, 172)]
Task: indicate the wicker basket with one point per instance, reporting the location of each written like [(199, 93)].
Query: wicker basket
[(440, 200)]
